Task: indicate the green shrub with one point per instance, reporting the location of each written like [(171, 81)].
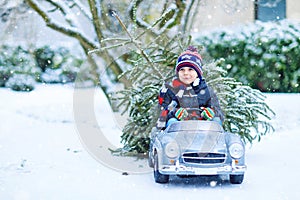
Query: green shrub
[(45, 64), (265, 56), (4, 75), (15, 60), (59, 65), (19, 60), (68, 63), (21, 82), (44, 57)]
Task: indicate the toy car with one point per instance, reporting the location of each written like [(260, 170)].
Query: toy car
[(196, 147)]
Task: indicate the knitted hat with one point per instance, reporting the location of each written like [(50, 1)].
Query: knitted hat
[(190, 58)]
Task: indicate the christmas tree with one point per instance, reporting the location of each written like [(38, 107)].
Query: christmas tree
[(246, 112)]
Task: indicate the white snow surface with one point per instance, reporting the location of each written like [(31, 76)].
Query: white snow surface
[(42, 156)]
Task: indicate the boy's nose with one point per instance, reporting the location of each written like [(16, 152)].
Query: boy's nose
[(186, 71)]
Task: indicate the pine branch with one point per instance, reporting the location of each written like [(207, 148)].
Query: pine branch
[(138, 46)]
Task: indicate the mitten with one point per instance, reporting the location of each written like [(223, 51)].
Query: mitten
[(207, 113), (195, 85), (181, 114), (196, 82)]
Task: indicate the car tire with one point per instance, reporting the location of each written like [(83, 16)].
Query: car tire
[(158, 177), (236, 179)]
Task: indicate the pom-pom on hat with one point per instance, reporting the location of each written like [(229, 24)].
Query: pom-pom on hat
[(190, 58)]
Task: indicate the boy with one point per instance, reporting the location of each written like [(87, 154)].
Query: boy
[(188, 91)]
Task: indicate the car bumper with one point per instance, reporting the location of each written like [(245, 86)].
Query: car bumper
[(186, 170)]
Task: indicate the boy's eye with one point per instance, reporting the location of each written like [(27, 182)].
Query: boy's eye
[(187, 68)]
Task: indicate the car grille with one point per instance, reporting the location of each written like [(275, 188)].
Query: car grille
[(203, 158)]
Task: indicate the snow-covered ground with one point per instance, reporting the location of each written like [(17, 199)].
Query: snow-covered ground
[(43, 153)]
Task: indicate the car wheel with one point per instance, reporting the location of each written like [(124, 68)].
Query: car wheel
[(158, 177), (236, 179)]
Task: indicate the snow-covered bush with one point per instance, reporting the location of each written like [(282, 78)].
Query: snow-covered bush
[(21, 82), (44, 57), (265, 56), (58, 65), (4, 75), (15, 60), (17, 69), (51, 76), (45, 64)]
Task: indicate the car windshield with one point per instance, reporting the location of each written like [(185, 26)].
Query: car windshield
[(204, 140), (193, 125)]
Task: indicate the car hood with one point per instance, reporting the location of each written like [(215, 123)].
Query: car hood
[(199, 141)]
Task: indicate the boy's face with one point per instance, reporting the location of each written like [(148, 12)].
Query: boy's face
[(187, 75)]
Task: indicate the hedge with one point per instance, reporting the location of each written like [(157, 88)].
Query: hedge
[(263, 55)]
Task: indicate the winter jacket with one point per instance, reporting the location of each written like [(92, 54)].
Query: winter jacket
[(186, 96)]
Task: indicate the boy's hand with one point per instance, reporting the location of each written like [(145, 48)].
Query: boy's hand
[(207, 113), (195, 85), (172, 105), (196, 82), (181, 114)]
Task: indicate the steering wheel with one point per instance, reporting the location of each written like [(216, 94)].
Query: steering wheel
[(194, 114)]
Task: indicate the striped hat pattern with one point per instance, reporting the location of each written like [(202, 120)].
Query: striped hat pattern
[(190, 58)]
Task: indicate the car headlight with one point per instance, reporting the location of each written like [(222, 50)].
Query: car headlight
[(172, 149), (236, 150)]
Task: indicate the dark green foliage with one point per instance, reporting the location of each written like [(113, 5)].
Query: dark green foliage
[(17, 69), (246, 112), (264, 56), (17, 57), (63, 65), (141, 116), (44, 57), (15, 60), (4, 75)]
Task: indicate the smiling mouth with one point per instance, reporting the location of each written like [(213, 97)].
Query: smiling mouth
[(186, 80)]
